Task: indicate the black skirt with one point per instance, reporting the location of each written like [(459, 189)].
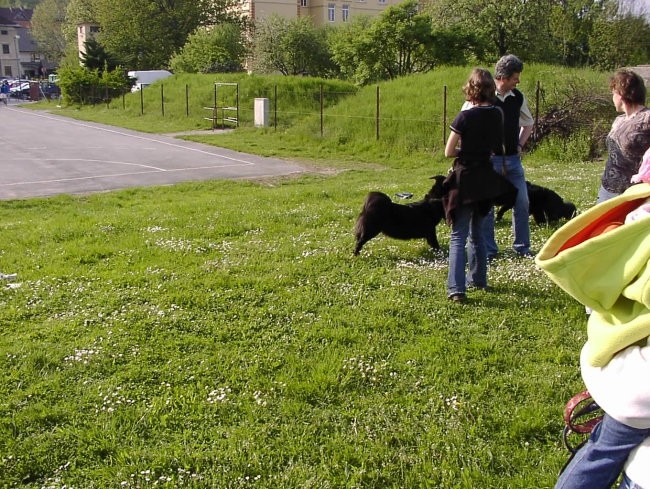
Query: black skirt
[(474, 183)]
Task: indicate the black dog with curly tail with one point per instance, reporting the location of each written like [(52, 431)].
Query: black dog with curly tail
[(401, 221)]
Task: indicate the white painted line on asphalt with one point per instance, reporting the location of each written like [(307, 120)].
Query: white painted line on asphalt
[(87, 160), (112, 175), (137, 137)]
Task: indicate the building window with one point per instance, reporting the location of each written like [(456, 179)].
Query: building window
[(345, 12), (94, 29), (8, 72), (382, 2), (303, 3), (330, 12), (4, 33), (5, 49)]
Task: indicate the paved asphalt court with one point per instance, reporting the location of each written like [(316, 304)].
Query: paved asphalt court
[(43, 154)]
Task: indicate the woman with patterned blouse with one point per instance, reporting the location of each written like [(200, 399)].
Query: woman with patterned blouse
[(629, 137)]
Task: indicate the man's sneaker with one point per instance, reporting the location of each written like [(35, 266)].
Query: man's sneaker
[(457, 298)]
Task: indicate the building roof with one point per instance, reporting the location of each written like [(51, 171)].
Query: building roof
[(11, 16)]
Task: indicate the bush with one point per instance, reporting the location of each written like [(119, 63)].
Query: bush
[(83, 86), (220, 49)]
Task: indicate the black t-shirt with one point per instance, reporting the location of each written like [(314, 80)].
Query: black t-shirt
[(481, 132)]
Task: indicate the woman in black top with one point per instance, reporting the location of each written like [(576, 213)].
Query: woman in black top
[(473, 184)]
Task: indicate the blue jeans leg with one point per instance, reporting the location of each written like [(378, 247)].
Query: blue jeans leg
[(477, 252), (599, 462), (457, 260), (514, 172), (491, 247)]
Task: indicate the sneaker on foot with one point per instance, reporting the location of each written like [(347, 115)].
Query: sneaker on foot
[(457, 297)]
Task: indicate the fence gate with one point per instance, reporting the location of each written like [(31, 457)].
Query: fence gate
[(225, 108)]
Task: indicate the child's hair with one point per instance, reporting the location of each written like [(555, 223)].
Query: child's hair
[(480, 86)]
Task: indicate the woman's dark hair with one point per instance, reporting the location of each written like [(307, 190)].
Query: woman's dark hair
[(480, 86), (629, 85)]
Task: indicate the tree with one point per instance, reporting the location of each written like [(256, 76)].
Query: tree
[(95, 57), (47, 24), (573, 32), (402, 41), (621, 41), (348, 45), (291, 46), (399, 42), (77, 12), (210, 50), (498, 27), (570, 23), (145, 34)]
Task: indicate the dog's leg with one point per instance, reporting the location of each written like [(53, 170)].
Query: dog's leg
[(432, 239), (357, 248), (364, 233), (540, 217)]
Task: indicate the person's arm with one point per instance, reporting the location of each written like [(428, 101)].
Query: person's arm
[(621, 387), (451, 149), (526, 122), (524, 134)]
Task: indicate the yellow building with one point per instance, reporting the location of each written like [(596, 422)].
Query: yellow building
[(323, 12), (85, 32)]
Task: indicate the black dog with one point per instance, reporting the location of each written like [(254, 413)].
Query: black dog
[(543, 204), (410, 221)]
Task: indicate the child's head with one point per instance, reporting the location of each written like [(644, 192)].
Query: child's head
[(480, 86)]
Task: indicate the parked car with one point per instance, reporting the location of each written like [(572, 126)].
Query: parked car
[(19, 88), (146, 77)]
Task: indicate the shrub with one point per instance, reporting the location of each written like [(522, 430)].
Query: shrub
[(82, 86)]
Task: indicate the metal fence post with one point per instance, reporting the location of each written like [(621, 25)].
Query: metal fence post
[(377, 115), (535, 127), (444, 115), (321, 110), (162, 100)]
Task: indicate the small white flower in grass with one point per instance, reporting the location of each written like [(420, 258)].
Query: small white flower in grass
[(453, 402), (259, 400), (155, 229), (219, 395), (81, 356)]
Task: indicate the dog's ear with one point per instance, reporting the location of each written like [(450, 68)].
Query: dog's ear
[(437, 191)]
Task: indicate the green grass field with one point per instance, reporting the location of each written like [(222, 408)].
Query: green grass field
[(221, 334)]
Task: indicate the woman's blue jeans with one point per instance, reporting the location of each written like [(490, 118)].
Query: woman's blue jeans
[(600, 461), (514, 172), (468, 223)]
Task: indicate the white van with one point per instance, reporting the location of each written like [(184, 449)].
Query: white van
[(147, 77)]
